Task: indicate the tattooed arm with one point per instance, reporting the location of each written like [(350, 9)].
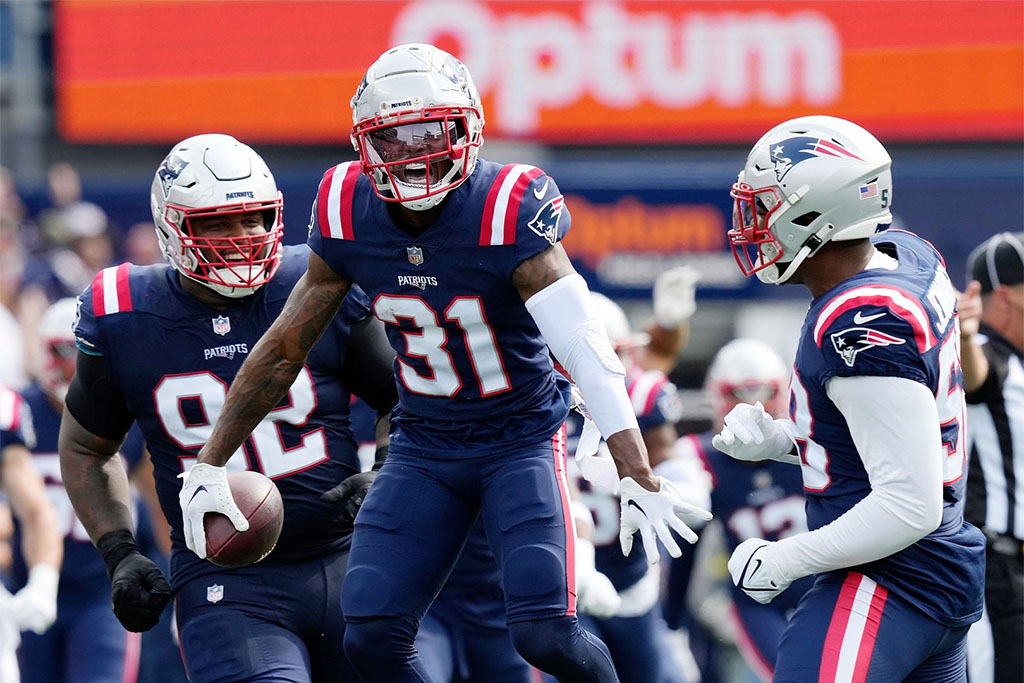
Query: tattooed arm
[(274, 363), (557, 298)]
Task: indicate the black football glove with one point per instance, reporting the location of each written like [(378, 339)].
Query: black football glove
[(139, 592), (348, 496)]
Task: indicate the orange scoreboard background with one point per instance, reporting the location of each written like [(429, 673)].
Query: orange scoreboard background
[(557, 71)]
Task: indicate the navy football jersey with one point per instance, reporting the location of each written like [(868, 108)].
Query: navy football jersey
[(15, 420), (891, 323), (655, 402), (83, 573), (471, 365), (753, 500), (174, 357)]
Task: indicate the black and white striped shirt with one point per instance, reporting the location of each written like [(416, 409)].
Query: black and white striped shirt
[(995, 442)]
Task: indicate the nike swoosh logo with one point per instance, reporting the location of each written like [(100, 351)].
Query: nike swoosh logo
[(196, 493), (633, 503), (859, 319), (542, 190)]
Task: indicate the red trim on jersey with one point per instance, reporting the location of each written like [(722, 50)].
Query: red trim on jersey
[(492, 200), (922, 335), (348, 195), (561, 476), (321, 201), (11, 422), (515, 199), (122, 291)]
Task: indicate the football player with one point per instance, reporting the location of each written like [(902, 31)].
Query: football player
[(876, 418), (86, 643), (462, 260), (750, 499), (160, 345), (33, 607)]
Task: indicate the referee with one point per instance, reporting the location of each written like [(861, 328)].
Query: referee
[(992, 340)]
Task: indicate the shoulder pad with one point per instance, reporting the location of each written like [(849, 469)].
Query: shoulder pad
[(877, 305), (111, 292), (645, 390), (521, 196)]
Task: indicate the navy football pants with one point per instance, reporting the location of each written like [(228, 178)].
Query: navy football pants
[(266, 623), (411, 529), (849, 629)]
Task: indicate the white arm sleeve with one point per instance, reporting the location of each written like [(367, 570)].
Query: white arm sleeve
[(566, 319), (895, 427)]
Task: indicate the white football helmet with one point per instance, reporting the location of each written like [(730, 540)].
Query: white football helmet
[(806, 182), (57, 337), (216, 174), (417, 125), (745, 371)]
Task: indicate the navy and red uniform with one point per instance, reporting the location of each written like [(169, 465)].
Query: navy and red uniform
[(479, 426), (752, 500), (86, 643), (875, 622), (636, 636), (173, 358)]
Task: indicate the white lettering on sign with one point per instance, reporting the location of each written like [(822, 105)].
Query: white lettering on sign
[(550, 59)]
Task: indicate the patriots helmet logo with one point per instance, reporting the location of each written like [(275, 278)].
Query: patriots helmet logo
[(169, 171), (849, 342), (789, 152), (545, 223)]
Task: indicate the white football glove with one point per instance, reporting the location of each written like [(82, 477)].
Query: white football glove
[(10, 634), (595, 593), (755, 572), (653, 513), (205, 489), (752, 435), (34, 607), (674, 296)]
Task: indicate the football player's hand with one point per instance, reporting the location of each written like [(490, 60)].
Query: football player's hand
[(138, 592), (205, 489), (968, 306), (752, 435), (34, 607), (595, 593), (348, 496), (653, 513), (754, 571), (674, 296)]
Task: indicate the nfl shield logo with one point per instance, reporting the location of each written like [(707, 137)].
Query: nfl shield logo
[(222, 325), (214, 593), (415, 255)]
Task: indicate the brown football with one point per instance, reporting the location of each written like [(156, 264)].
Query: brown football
[(260, 501)]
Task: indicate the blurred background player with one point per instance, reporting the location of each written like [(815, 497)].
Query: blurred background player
[(468, 277), (86, 643), (160, 345), (33, 606), (992, 343), (876, 418), (749, 499), (632, 626)]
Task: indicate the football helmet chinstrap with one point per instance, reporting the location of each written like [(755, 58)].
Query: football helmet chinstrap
[(806, 182), (213, 175), (417, 125)]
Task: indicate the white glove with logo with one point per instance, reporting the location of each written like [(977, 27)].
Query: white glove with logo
[(755, 572), (752, 435), (653, 513), (205, 489), (34, 607), (674, 296), (595, 593)]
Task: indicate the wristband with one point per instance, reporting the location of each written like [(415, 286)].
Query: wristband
[(114, 546)]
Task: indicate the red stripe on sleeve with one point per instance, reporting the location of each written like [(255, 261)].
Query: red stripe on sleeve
[(492, 199), (514, 200), (98, 308), (348, 194), (124, 295), (321, 202)]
